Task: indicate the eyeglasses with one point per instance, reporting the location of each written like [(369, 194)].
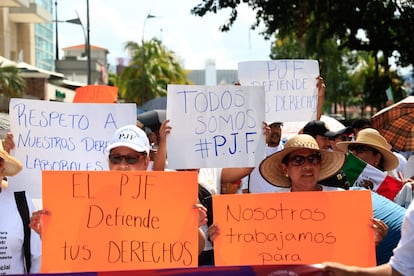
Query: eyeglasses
[(299, 160), (130, 159), (361, 149)]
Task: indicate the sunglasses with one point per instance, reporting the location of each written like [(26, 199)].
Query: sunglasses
[(299, 160), (361, 149), (130, 159)]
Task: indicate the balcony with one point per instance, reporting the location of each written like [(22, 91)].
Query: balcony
[(31, 14)]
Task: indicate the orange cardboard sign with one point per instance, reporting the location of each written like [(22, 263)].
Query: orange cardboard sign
[(294, 228), (96, 94), (113, 220)]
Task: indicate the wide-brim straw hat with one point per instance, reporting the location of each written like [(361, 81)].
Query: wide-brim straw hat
[(372, 138), (12, 166), (271, 170)]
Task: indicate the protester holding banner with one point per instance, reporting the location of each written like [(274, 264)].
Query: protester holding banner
[(20, 248), (299, 167), (129, 151), (254, 182), (401, 263)]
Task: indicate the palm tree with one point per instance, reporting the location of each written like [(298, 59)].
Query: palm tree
[(150, 70), (12, 85)]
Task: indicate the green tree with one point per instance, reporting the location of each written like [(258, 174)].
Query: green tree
[(12, 85), (381, 28), (150, 70), (386, 25)]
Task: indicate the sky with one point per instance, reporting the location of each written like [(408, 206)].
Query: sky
[(194, 39)]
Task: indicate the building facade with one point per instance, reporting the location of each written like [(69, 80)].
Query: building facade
[(26, 33)]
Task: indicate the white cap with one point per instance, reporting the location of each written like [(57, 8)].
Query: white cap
[(130, 136)]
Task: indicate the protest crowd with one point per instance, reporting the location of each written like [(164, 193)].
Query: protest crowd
[(315, 159)]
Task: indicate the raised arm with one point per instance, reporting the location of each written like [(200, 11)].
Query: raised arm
[(161, 155)]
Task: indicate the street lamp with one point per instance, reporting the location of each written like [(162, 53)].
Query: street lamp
[(77, 21)]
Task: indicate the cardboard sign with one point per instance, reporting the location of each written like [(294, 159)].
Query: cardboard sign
[(215, 126), (62, 137), (96, 94), (106, 221), (294, 228), (289, 85)]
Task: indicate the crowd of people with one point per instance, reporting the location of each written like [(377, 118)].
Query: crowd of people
[(312, 160)]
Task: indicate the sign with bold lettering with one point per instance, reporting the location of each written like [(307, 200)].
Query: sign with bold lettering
[(294, 228), (119, 220), (215, 126), (289, 85), (62, 137)]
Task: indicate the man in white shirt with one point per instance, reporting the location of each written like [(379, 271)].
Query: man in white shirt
[(254, 182)]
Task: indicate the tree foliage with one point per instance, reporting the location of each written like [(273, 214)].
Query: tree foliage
[(12, 85), (377, 25), (150, 70), (342, 35)]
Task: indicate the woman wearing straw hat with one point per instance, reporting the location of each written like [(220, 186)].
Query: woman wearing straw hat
[(301, 164), (12, 229), (373, 148)]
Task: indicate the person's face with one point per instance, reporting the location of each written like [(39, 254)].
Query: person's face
[(127, 159), (323, 142), (303, 167), (340, 138), (366, 153), (275, 134)]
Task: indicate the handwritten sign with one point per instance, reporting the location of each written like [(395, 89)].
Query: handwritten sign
[(62, 137), (106, 221), (215, 126), (294, 228), (289, 85)]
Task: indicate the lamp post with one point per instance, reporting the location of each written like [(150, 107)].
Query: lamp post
[(77, 21), (88, 43), (56, 28)]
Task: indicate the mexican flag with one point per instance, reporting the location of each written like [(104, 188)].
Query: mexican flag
[(358, 172)]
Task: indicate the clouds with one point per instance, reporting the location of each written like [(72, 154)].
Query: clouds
[(194, 39)]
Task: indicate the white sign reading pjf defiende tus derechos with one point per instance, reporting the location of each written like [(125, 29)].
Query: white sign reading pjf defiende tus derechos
[(215, 126), (290, 88)]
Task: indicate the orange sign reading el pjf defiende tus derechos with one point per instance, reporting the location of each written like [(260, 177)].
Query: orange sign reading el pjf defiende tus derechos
[(106, 221)]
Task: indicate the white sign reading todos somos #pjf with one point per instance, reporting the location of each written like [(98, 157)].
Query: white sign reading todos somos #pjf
[(215, 126)]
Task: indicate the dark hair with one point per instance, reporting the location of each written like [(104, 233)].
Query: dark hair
[(361, 123)]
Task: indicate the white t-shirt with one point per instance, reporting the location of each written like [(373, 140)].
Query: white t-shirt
[(12, 236), (403, 258), (210, 178), (402, 162), (255, 182)]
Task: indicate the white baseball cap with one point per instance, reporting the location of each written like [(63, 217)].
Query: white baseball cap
[(130, 136)]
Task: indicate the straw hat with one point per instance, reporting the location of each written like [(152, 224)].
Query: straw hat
[(271, 170), (12, 166), (371, 137)]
